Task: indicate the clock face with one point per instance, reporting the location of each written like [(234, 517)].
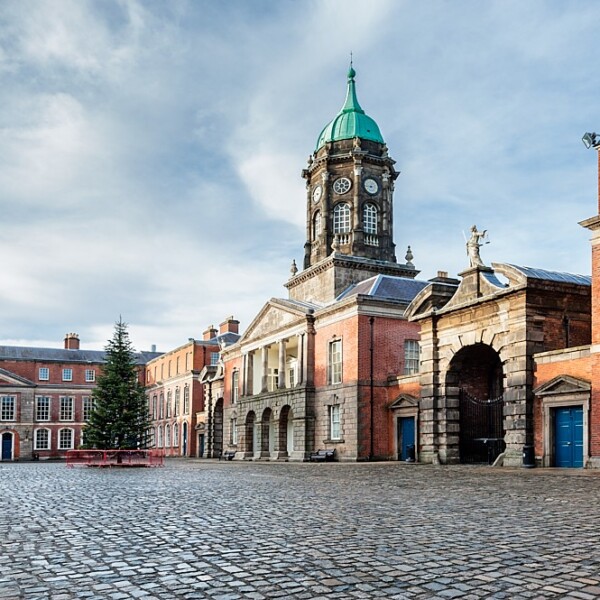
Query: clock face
[(317, 193), (341, 185), (371, 186)]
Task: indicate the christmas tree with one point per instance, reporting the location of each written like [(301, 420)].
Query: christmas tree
[(120, 417)]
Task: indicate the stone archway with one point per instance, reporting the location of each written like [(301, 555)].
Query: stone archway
[(267, 433), (475, 386), (286, 431), (250, 432)]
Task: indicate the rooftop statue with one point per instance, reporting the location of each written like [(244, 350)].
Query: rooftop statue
[(473, 245)]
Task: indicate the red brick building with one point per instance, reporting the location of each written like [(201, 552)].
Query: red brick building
[(46, 397), (175, 393)]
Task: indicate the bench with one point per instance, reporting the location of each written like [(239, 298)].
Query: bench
[(227, 455), (322, 456)]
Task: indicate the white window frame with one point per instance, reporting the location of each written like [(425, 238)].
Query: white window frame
[(177, 402), (8, 408), (44, 374), (341, 218), (214, 358), (175, 435), (412, 352), (233, 431), (87, 407), (186, 400), (61, 445), (169, 403), (370, 218), (335, 362), (317, 225), (335, 429), (67, 374), (159, 436), (90, 375), (66, 407), (36, 439), (167, 436), (39, 409), (235, 386)]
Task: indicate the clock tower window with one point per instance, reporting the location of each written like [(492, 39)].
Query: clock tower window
[(317, 225), (370, 218), (341, 218)]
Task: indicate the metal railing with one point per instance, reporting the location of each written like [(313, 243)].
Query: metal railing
[(115, 458)]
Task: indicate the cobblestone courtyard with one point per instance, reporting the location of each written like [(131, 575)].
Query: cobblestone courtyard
[(231, 530)]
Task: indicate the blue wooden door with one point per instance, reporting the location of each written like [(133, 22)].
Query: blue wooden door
[(568, 436), (7, 446), (406, 430)]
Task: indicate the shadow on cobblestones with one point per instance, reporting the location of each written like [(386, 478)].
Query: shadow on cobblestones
[(227, 531)]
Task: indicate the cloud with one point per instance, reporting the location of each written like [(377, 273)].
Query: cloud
[(150, 153)]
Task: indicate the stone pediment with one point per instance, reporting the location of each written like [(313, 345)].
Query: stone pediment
[(404, 401), (276, 315), (563, 384), (8, 378)]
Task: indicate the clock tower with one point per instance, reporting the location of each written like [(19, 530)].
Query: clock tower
[(349, 215)]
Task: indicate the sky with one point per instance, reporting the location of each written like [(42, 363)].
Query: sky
[(150, 152)]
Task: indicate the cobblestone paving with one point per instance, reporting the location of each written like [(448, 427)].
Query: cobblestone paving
[(227, 531)]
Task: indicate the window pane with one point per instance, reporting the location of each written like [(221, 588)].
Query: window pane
[(44, 374), (67, 375), (341, 218), (42, 439), (335, 362), (370, 219), (42, 409), (90, 375), (411, 357), (65, 439), (66, 409), (7, 409), (334, 413)]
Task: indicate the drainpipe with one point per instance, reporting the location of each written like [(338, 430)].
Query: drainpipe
[(371, 349)]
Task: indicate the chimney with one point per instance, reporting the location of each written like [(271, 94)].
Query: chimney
[(209, 333), (229, 325), (71, 341), (153, 348)]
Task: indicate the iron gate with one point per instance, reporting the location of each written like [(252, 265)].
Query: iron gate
[(481, 429)]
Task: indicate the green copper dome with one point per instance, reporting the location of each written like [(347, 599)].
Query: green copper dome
[(351, 121)]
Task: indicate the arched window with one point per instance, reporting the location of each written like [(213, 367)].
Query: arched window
[(317, 225), (175, 435), (169, 401), (167, 436), (370, 219), (154, 406), (341, 218), (159, 437), (65, 439), (162, 406), (42, 439)]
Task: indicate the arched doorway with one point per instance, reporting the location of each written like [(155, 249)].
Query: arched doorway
[(286, 431), (250, 433), (267, 442), (218, 428), (7, 446), (474, 382)]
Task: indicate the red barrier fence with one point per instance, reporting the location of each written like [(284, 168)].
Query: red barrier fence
[(115, 458)]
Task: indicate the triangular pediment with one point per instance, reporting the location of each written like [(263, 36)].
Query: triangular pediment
[(275, 316), (8, 378), (563, 384), (404, 401)]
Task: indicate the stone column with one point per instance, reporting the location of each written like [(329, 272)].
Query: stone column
[(281, 375), (265, 368), (250, 373)]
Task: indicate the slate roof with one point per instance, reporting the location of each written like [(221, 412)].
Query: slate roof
[(534, 273), (64, 355), (386, 287)]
